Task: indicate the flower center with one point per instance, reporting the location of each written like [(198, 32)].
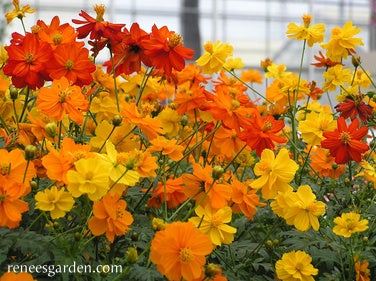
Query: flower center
[(264, 167), (299, 266), (345, 137), (69, 64), (2, 197), (234, 105), (215, 221), (175, 40), (186, 255), (119, 213), (89, 175), (57, 38), (312, 208), (99, 9), (63, 96), (350, 224), (78, 154), (29, 58), (4, 168), (267, 126)]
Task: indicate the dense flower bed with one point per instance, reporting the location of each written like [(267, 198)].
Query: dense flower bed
[(183, 171)]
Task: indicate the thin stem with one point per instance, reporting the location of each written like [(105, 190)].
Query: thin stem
[(109, 135)]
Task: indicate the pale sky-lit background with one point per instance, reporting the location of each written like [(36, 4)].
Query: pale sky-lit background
[(255, 28)]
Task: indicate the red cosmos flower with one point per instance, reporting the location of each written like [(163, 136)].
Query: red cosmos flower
[(263, 133), (72, 61), (128, 53), (27, 61), (165, 49), (344, 143), (97, 27), (352, 109), (322, 61)]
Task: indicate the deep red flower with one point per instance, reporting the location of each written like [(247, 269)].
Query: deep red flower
[(72, 61), (27, 61), (97, 27), (166, 51), (263, 133), (129, 53), (352, 109), (345, 143)]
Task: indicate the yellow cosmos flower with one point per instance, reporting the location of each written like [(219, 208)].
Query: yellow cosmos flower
[(214, 57), (303, 209), (311, 33), (342, 42), (336, 76), (18, 12), (348, 224), (170, 121), (120, 168), (234, 63), (368, 172), (314, 125), (276, 172), (56, 201), (3, 55), (277, 71), (295, 266), (91, 178), (213, 223)]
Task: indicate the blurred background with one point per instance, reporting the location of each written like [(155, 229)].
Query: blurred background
[(256, 28)]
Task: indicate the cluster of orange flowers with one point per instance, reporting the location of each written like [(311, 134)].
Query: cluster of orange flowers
[(80, 134)]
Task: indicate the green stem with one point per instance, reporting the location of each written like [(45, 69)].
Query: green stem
[(109, 135), (26, 101)]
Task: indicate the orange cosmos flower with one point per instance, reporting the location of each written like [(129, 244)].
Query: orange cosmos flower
[(179, 251), (189, 99), (246, 200), (201, 182), (22, 276), (27, 61), (252, 76), (62, 98), (345, 143), (167, 147), (362, 271), (128, 54), (110, 217), (72, 61), (11, 207), (166, 51), (14, 167), (97, 27), (172, 192), (151, 127), (56, 34), (226, 143), (324, 164), (58, 163), (322, 61), (263, 133)]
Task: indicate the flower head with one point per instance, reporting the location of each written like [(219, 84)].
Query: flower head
[(311, 33), (110, 217), (295, 266), (18, 12), (348, 224), (214, 57), (21, 276), (336, 76), (179, 251), (344, 143), (275, 172), (56, 201), (214, 222), (362, 271)]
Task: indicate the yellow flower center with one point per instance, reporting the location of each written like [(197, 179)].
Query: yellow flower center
[(63, 96), (336, 31), (175, 40), (234, 105), (312, 208), (69, 65), (29, 58), (345, 137), (307, 20), (299, 266), (350, 224), (216, 220), (267, 126), (78, 154), (4, 168), (57, 38), (99, 9), (186, 255), (51, 197), (209, 47), (264, 167), (89, 175)]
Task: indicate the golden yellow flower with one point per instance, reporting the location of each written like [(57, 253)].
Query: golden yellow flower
[(56, 201), (311, 33), (213, 222), (348, 224), (336, 76), (214, 57), (18, 12)]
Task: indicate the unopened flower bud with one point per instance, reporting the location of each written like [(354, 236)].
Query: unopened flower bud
[(30, 152), (51, 129), (184, 121), (212, 270), (355, 60), (116, 121), (158, 224), (33, 184), (217, 172), (335, 166), (77, 236), (13, 92), (134, 236), (131, 255)]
